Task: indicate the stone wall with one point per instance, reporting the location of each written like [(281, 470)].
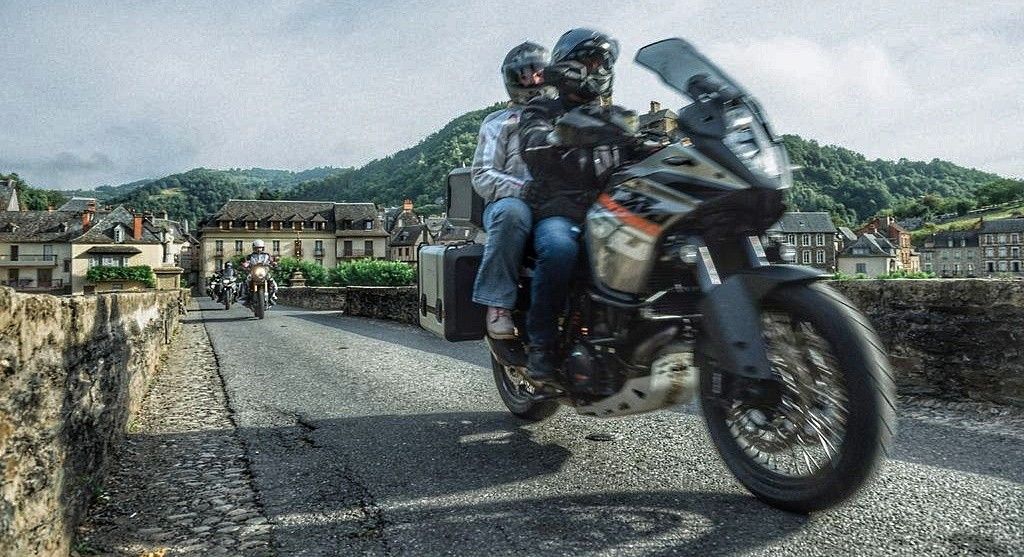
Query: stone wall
[(949, 338), (72, 372), (310, 297), (946, 338), (397, 304)]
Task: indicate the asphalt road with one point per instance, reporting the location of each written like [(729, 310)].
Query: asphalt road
[(369, 437)]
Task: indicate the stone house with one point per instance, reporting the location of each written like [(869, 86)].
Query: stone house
[(898, 236), (992, 248), (52, 251), (814, 235), (952, 254), (660, 121), (870, 255), (324, 232), (409, 233)]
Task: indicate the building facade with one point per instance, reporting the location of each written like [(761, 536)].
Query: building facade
[(814, 235), (869, 255), (898, 236), (326, 233), (994, 248), (52, 251)]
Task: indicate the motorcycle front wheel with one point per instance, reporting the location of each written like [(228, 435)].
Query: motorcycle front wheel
[(259, 303), (517, 395), (835, 419), (227, 300)]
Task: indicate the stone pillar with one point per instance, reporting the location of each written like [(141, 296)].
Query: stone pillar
[(297, 279)]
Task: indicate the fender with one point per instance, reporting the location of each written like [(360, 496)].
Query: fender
[(732, 320)]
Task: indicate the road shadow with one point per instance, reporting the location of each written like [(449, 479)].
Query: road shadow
[(201, 320), (956, 448), (408, 336)]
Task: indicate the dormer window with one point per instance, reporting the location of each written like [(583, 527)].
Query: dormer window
[(250, 225), (225, 225), (949, 243), (367, 224), (119, 234), (275, 225)]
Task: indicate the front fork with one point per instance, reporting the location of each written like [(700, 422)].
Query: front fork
[(734, 276)]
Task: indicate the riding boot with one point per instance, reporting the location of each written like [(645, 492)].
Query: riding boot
[(542, 363)]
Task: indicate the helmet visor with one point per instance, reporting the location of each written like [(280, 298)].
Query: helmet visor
[(530, 74)]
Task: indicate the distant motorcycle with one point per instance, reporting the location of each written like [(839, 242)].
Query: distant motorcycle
[(227, 292), (259, 284)]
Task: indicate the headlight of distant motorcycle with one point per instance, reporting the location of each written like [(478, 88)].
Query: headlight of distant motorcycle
[(747, 138), (260, 272)]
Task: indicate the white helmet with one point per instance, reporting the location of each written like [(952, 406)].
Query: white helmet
[(258, 244)]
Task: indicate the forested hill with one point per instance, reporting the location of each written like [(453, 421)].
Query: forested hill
[(198, 193), (416, 173), (834, 179)]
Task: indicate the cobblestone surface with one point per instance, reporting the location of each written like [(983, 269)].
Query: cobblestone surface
[(181, 483)]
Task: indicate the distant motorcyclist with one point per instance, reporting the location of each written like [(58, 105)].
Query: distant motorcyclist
[(499, 176), (227, 273), (564, 183), (259, 257)]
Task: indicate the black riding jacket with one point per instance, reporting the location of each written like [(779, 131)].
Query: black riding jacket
[(564, 182)]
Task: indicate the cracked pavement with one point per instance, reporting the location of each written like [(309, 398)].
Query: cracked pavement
[(374, 438)]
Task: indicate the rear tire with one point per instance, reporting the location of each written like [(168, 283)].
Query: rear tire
[(520, 404), (869, 421)]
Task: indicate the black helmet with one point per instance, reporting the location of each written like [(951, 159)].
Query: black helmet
[(595, 50), (522, 70)]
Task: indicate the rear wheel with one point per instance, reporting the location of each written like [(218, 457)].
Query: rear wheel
[(518, 394), (835, 418)]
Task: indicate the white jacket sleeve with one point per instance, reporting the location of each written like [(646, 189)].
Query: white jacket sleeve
[(491, 178)]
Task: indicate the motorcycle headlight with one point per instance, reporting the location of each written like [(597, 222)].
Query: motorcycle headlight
[(748, 139), (259, 272)]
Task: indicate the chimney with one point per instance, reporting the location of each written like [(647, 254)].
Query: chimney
[(655, 106), (86, 220), (148, 216), (407, 206), (137, 227), (90, 205)]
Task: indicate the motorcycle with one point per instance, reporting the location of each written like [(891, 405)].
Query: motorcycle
[(226, 292), (259, 297), (679, 301)]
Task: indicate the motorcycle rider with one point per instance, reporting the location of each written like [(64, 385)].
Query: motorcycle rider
[(259, 257), (499, 176), (564, 183), (227, 273)]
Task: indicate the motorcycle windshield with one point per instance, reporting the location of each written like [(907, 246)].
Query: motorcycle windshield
[(676, 61)]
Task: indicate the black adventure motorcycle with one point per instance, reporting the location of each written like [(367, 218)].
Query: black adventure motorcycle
[(680, 301)]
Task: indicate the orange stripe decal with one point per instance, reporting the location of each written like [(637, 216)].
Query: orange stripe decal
[(631, 219)]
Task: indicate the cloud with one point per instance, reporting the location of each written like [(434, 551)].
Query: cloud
[(160, 87)]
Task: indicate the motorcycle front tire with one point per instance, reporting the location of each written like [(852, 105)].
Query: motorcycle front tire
[(871, 422), (259, 303)]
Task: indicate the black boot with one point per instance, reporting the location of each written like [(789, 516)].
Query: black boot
[(542, 363)]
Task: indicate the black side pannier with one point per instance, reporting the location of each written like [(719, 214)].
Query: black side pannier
[(446, 276)]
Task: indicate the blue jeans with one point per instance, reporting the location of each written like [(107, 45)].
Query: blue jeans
[(556, 241), (508, 222)]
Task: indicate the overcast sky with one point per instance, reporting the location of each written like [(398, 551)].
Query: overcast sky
[(108, 92)]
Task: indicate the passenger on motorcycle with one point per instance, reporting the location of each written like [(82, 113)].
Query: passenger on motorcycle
[(564, 182), (499, 176), (259, 257)]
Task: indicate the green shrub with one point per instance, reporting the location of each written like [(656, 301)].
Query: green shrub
[(139, 273), (372, 272), (904, 274), (315, 274)]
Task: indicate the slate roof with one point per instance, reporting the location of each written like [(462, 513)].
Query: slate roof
[(78, 204), (848, 235), (355, 211), (941, 239), (1014, 224), (648, 118), (262, 210), (795, 223), (102, 229), (876, 246), (407, 235), (39, 226)]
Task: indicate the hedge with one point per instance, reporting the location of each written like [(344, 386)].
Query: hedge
[(107, 273), (372, 272)]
